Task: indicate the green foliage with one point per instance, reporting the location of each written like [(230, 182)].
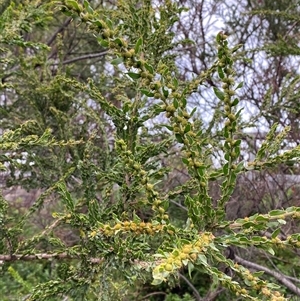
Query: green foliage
[(186, 297), (97, 158)]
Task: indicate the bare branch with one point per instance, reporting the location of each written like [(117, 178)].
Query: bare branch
[(196, 293), (212, 295), (83, 57), (153, 294), (179, 205)]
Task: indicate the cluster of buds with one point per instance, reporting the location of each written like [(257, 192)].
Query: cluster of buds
[(185, 133), (73, 6), (179, 119), (181, 256), (225, 73), (133, 57), (257, 284), (130, 161), (278, 242), (157, 206), (136, 228), (141, 174), (109, 39), (293, 240)]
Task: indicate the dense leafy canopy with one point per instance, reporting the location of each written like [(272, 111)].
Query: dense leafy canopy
[(128, 158)]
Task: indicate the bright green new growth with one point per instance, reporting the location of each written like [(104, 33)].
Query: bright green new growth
[(111, 193)]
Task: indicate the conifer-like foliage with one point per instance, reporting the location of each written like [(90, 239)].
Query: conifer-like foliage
[(99, 141)]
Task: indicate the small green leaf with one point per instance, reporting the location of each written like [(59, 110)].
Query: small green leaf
[(247, 282), (175, 82), (109, 23), (69, 13), (102, 42), (175, 103), (66, 196), (199, 133), (238, 142), (238, 113), (149, 68), (203, 259), (220, 72), (88, 7), (187, 128), (190, 268), (126, 107), (239, 167), (169, 127), (248, 225), (261, 218), (240, 85), (157, 281), (165, 91), (185, 161), (201, 170), (219, 94), (133, 75), (136, 218), (147, 92), (276, 212), (117, 61), (179, 138), (118, 41), (258, 274), (235, 102), (193, 111), (275, 233), (238, 151), (98, 24), (237, 47), (73, 4), (257, 239), (225, 169), (281, 221), (138, 45)]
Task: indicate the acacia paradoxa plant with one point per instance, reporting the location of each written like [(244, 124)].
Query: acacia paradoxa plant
[(126, 231)]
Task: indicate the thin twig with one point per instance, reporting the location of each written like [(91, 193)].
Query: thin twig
[(212, 295), (153, 294), (179, 205), (83, 57), (196, 293)]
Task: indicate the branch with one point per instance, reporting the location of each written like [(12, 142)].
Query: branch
[(70, 61), (196, 293), (179, 205), (153, 294), (64, 25), (42, 256), (278, 276), (212, 295), (83, 57)]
